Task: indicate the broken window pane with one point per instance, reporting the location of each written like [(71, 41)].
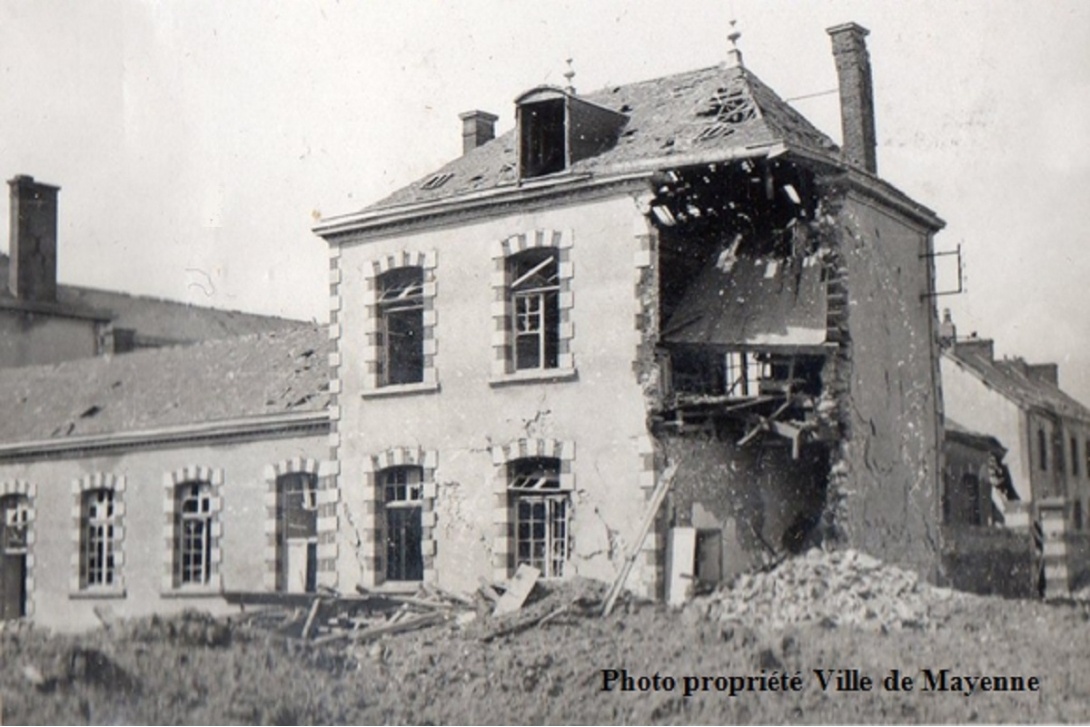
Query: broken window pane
[(401, 326), (535, 308), (541, 526), (297, 540), (403, 494)]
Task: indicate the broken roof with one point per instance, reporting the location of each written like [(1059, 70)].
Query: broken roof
[(753, 302), (278, 372), (1010, 377), (694, 117), (154, 320)]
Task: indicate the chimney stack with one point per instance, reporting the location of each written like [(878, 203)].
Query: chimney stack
[(33, 242), (856, 94), (1047, 372), (477, 128), (948, 332)]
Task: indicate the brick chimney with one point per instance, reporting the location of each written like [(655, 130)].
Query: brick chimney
[(1047, 372), (856, 94), (33, 242), (477, 128)]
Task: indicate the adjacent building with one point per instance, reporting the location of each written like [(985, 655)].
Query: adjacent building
[(43, 321), (165, 479)]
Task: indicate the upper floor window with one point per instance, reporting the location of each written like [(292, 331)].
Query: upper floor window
[(401, 326), (1074, 456), (535, 313), (1042, 449), (744, 373), (98, 541)]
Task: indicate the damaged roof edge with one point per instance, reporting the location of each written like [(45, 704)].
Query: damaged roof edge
[(536, 188), (418, 212), (264, 424)]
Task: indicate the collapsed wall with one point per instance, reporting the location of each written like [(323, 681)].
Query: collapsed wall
[(794, 380)]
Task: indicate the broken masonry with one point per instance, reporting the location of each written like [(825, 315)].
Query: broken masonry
[(747, 382)]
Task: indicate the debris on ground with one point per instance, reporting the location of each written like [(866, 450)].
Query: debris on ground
[(838, 588)]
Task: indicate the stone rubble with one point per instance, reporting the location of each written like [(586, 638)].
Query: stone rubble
[(837, 588)]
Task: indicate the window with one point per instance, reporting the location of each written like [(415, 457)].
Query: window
[(401, 326), (1086, 453), (194, 528), (534, 294), (1076, 514), (541, 514), (14, 526), (1074, 456), (1042, 449), (403, 499), (744, 372), (543, 147), (297, 532), (97, 543)]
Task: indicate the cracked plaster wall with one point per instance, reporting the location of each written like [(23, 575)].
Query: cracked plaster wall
[(600, 410)]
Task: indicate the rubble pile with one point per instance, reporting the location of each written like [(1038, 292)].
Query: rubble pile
[(839, 588)]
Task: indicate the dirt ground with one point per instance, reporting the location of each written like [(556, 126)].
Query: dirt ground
[(197, 670)]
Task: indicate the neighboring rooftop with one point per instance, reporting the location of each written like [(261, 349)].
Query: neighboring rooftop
[(228, 379), (154, 321), (1015, 379)]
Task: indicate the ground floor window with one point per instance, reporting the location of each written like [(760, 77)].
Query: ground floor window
[(14, 522), (194, 532), (403, 493), (98, 544), (297, 532), (541, 515)]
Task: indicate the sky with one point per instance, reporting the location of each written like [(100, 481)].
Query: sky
[(196, 142)]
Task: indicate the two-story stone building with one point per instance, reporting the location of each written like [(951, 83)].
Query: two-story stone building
[(679, 271)]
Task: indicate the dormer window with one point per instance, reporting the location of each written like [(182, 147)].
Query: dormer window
[(557, 129), (544, 147)]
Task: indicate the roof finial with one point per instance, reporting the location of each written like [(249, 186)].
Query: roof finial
[(569, 75), (734, 56)]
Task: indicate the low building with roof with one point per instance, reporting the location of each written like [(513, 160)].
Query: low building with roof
[(44, 321), (166, 478)]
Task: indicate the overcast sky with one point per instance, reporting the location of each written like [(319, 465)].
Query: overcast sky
[(196, 141)]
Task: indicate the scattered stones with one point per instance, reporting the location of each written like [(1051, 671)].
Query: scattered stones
[(838, 588)]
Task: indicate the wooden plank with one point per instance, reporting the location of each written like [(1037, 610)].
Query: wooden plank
[(309, 623), (648, 519), (518, 589)]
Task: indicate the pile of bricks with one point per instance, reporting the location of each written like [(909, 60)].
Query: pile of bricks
[(839, 588)]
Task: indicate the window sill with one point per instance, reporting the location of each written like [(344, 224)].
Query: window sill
[(194, 592), (424, 387), (97, 593), (533, 375)]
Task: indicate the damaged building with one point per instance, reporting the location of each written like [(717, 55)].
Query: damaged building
[(677, 278)]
